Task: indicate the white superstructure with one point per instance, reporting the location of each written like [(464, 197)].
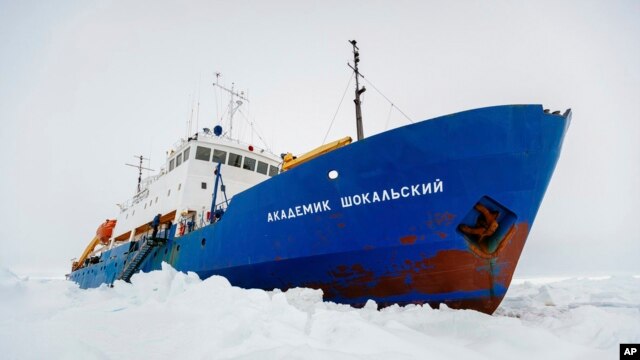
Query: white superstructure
[(185, 184)]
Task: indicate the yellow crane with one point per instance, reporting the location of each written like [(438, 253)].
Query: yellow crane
[(291, 161), (103, 234)]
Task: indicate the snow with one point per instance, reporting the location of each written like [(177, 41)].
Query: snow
[(167, 314)]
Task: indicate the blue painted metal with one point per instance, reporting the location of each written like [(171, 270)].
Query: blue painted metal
[(215, 194), (404, 248)]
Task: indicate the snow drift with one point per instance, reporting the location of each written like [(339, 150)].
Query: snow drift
[(167, 314)]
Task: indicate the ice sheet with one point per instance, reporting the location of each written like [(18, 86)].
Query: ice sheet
[(167, 314)]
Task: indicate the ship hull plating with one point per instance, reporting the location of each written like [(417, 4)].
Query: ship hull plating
[(407, 220)]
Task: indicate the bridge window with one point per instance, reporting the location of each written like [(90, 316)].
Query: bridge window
[(235, 159), (249, 164), (273, 170), (219, 156), (203, 185), (263, 167), (185, 154), (178, 160), (172, 164), (203, 153)]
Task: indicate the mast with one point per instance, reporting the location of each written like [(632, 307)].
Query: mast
[(140, 168), (233, 105), (359, 91)]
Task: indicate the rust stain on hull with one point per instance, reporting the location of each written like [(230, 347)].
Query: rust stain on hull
[(448, 271), (408, 240), (440, 219)]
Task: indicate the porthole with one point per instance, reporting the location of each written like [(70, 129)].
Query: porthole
[(333, 174), (165, 251), (178, 248), (203, 242)]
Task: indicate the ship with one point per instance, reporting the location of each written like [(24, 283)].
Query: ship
[(435, 212)]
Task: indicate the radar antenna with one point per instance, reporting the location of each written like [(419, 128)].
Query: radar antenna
[(359, 91), (234, 105), (140, 168)]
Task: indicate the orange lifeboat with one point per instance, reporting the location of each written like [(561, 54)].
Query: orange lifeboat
[(105, 230)]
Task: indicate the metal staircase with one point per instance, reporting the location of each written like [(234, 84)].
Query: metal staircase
[(144, 250), (134, 264)]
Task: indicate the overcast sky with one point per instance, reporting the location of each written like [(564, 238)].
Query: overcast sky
[(86, 85)]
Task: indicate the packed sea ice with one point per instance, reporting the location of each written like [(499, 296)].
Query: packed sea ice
[(168, 314)]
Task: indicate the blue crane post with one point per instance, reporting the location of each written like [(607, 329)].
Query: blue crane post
[(215, 194)]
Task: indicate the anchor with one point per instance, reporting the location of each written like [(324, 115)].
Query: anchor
[(486, 224)]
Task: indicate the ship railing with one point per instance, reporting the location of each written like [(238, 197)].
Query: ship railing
[(203, 221), (236, 141), (177, 146), (142, 195), (149, 180), (222, 205), (200, 219)]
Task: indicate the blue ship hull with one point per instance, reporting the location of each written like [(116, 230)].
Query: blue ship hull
[(402, 223)]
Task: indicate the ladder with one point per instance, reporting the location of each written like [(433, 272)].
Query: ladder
[(134, 264)]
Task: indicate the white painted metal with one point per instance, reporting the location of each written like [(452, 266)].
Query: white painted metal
[(181, 187)]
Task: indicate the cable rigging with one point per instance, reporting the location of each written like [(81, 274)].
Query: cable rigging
[(359, 91), (338, 109), (386, 98), (253, 127)]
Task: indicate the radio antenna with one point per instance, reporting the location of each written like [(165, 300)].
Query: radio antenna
[(140, 168), (233, 105)]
